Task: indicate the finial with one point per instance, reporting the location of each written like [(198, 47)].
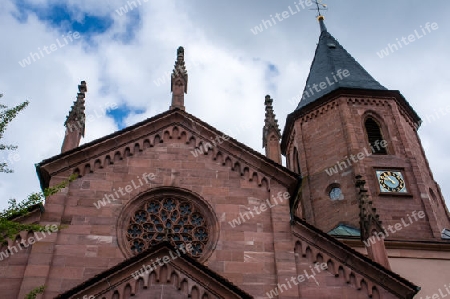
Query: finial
[(179, 81), (75, 121), (179, 70), (270, 122), (180, 53), (76, 118), (268, 101), (371, 226), (271, 132), (368, 216), (82, 87)]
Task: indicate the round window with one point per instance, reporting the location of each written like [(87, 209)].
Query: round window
[(335, 193), (168, 218), (177, 216)]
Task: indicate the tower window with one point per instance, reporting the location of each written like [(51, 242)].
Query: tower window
[(433, 197), (376, 141), (296, 161)]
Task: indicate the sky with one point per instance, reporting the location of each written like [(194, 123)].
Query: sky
[(126, 57)]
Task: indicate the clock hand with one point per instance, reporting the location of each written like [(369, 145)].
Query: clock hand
[(392, 181)]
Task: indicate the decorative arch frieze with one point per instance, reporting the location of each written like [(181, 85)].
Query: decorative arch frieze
[(16, 243), (368, 101), (348, 277), (176, 277), (384, 102), (369, 279), (175, 283), (181, 134), (322, 110), (408, 118)]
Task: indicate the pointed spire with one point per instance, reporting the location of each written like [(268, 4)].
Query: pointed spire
[(271, 133), (75, 121), (371, 226), (179, 81), (332, 68)]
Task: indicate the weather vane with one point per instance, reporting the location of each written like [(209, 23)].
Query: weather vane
[(320, 6)]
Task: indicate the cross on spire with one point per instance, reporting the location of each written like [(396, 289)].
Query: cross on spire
[(320, 6)]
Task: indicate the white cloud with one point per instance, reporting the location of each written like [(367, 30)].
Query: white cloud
[(226, 64)]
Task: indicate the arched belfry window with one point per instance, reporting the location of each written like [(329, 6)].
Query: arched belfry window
[(377, 143), (433, 197), (296, 162)]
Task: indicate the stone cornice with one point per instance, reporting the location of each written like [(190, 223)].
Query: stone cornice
[(403, 244), (366, 97)]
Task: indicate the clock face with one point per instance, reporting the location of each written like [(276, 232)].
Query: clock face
[(391, 181)]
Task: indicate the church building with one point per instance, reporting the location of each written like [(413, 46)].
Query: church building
[(355, 214)]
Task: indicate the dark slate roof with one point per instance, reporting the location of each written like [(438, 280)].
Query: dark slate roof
[(330, 57)]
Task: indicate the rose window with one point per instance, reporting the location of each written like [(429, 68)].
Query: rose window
[(168, 218)]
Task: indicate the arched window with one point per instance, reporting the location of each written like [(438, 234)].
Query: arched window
[(377, 143), (433, 197), (296, 161)]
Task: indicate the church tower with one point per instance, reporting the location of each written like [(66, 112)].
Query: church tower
[(348, 125)]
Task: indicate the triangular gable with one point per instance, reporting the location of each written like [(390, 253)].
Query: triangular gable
[(174, 124), (176, 276), (347, 262)]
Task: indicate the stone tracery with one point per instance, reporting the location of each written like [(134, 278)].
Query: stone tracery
[(171, 218), (176, 215)]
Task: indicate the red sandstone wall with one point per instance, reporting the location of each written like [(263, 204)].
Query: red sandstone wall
[(244, 254), (12, 268), (435, 207), (322, 140), (336, 130)]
